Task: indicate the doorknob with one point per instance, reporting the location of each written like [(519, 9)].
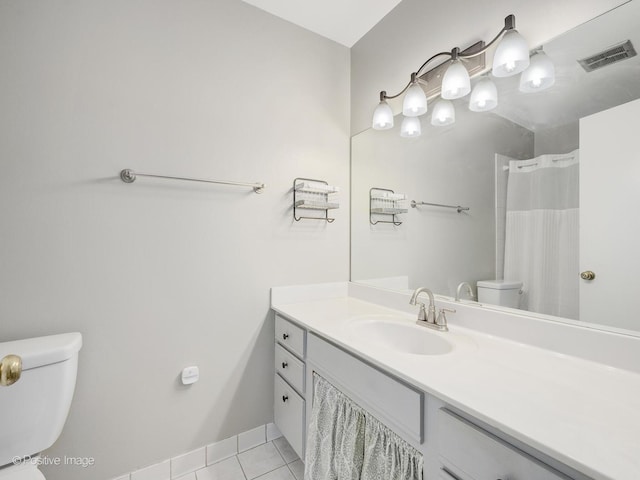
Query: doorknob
[(587, 275)]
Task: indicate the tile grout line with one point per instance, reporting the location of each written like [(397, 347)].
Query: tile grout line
[(282, 455), (291, 472), (244, 474), (237, 457), (170, 460), (283, 465), (265, 473)]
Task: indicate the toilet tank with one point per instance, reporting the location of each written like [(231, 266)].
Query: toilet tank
[(500, 292), (34, 409)]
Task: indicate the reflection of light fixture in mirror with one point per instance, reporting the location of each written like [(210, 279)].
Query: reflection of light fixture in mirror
[(512, 55), (540, 75), (443, 113), (410, 127), (484, 96), (382, 115), (456, 82), (415, 101)]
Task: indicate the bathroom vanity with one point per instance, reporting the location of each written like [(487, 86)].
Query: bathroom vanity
[(482, 401)]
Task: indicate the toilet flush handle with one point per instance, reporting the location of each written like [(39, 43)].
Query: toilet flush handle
[(10, 370)]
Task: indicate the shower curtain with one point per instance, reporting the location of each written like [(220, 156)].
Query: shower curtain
[(541, 240), (346, 442)]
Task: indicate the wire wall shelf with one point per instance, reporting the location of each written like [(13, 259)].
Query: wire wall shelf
[(312, 194), (386, 202)]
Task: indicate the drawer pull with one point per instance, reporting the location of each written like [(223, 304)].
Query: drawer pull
[(285, 336), (285, 364), (285, 398)]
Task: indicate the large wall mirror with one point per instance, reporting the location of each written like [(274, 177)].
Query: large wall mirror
[(549, 183)]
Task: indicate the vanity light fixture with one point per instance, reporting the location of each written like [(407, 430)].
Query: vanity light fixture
[(410, 127), (383, 115), (512, 54), (540, 75), (511, 57), (415, 100), (456, 82), (443, 114), (484, 96)]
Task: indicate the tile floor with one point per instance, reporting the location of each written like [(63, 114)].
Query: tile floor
[(274, 460)]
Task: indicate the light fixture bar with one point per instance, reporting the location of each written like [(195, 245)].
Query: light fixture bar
[(433, 78), (451, 80), (509, 24)]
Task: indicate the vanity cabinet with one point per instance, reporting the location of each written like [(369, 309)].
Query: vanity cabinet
[(467, 452), (454, 448), (396, 404), (289, 383)]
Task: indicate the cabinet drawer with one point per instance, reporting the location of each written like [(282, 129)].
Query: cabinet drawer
[(396, 404), (290, 336), (470, 453), (290, 368), (288, 412)]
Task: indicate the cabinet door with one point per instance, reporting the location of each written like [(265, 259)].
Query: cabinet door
[(288, 412), (470, 453)]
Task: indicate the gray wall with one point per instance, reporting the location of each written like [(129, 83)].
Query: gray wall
[(160, 275), (416, 29), (561, 139)]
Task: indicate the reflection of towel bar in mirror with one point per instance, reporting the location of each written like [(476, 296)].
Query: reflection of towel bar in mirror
[(460, 209)]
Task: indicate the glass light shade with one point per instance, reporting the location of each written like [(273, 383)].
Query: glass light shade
[(382, 117), (410, 127), (443, 113), (484, 96), (415, 101), (455, 82), (540, 75), (512, 55)]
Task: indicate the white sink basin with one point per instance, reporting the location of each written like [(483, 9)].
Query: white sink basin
[(400, 335)]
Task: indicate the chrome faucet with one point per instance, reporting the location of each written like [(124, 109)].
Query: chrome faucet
[(426, 317), (469, 291), (423, 316)]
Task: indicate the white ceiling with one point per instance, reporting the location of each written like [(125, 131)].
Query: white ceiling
[(344, 21)]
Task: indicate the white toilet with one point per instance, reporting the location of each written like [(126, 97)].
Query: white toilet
[(33, 410), (500, 292)]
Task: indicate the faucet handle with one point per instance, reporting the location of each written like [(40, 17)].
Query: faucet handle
[(422, 315), (442, 318)]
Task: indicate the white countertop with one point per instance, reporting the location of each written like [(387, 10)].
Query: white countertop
[(582, 413)]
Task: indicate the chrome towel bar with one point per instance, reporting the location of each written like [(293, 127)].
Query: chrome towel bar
[(414, 204), (129, 176)]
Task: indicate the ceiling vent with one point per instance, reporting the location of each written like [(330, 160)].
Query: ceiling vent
[(611, 55)]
